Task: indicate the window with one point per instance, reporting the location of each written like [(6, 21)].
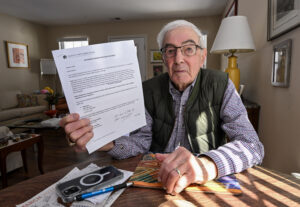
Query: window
[(65, 43)]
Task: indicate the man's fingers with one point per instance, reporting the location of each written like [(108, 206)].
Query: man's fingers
[(179, 169), (170, 162), (168, 175), (73, 126), (173, 177), (161, 157), (182, 183), (79, 133), (166, 168), (81, 143), (68, 119)]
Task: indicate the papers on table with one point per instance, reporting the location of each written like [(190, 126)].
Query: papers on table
[(102, 82), (48, 197)]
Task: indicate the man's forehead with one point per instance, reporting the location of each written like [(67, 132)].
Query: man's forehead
[(181, 35), (182, 43)]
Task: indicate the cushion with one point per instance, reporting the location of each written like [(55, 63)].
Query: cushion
[(34, 100), (25, 100), (9, 99)]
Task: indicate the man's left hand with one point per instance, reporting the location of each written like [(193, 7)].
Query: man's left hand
[(181, 168)]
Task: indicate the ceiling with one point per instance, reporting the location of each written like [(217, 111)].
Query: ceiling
[(69, 12)]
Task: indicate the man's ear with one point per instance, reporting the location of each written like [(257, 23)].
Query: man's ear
[(203, 56)]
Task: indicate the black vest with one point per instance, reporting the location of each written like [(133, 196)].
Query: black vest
[(201, 115)]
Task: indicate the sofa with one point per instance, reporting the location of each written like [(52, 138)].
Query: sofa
[(17, 107)]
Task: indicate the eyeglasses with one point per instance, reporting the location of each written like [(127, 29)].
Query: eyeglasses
[(186, 50)]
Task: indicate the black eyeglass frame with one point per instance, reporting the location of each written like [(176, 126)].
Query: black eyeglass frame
[(163, 50)]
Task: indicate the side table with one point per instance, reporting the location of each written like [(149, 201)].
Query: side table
[(21, 145)]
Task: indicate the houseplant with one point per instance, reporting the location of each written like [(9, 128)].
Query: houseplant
[(51, 98)]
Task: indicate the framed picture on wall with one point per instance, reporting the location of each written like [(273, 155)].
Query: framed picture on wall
[(157, 70), (156, 56), (17, 55), (283, 16), (281, 63), (233, 9)]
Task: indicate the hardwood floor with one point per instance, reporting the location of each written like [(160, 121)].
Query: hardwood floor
[(57, 154)]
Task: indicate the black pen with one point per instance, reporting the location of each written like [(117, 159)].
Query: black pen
[(105, 190)]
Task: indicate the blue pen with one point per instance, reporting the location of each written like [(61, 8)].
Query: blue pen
[(105, 190)]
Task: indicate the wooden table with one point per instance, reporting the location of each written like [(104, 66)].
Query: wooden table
[(261, 187), (21, 145)]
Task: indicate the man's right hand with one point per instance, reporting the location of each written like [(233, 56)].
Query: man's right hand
[(80, 131)]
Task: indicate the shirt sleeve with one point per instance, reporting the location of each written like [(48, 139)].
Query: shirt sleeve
[(244, 149), (139, 141)]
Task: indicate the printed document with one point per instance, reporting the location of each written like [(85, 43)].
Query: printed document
[(102, 82), (48, 197)]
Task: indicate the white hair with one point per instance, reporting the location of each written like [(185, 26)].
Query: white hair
[(175, 24)]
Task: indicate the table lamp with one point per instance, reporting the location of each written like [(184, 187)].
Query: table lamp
[(234, 36)]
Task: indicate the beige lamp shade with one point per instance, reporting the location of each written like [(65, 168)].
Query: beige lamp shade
[(234, 34)]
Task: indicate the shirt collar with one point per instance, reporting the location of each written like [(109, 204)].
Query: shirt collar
[(173, 90)]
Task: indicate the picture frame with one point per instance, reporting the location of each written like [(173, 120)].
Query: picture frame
[(157, 70), (17, 55), (281, 64), (156, 56), (233, 9), (283, 16)]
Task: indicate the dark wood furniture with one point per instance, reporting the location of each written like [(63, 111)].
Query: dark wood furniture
[(261, 187), (61, 106), (21, 145), (253, 110)]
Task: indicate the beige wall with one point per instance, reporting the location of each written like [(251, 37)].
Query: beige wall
[(17, 30), (280, 111), (42, 40), (98, 33)]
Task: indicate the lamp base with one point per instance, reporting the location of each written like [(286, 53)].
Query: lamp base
[(233, 71)]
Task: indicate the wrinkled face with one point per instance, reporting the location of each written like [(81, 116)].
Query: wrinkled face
[(183, 69)]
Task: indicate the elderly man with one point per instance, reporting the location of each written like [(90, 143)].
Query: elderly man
[(188, 112)]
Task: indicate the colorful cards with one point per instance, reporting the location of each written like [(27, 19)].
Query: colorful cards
[(145, 175)]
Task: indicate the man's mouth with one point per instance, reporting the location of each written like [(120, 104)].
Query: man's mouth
[(179, 70)]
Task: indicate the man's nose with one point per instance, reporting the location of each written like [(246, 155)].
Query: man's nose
[(178, 56)]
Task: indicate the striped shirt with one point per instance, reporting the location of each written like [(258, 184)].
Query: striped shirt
[(243, 151)]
